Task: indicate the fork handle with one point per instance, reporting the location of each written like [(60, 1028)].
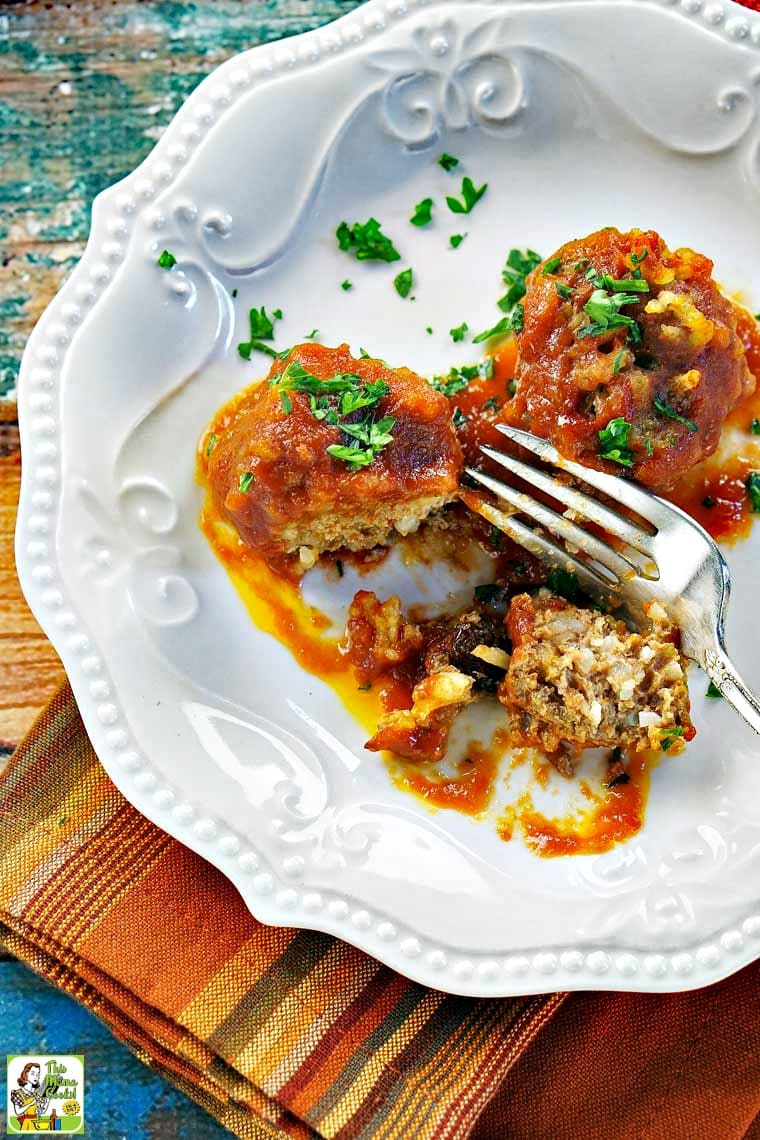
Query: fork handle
[(737, 692)]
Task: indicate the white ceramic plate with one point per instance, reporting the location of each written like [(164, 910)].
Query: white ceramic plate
[(578, 114)]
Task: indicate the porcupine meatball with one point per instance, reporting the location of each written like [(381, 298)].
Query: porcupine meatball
[(333, 452), (582, 679), (625, 338)]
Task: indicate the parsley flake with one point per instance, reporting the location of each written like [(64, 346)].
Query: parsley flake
[(346, 285), (312, 335), (366, 241), (448, 162), (246, 480), (487, 593), (429, 331), (211, 444), (669, 736), (604, 310), (613, 442), (666, 410), (518, 265), (458, 418), (234, 293), (471, 195), (492, 404), (551, 266), (261, 329), (287, 403), (618, 362), (565, 584), (456, 240), (501, 328), (564, 292), (166, 260), (754, 427), (403, 283), (753, 490), (458, 334), (713, 691), (422, 215)]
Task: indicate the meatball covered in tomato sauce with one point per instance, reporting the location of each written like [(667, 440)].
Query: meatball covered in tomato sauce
[(629, 357), (331, 452)]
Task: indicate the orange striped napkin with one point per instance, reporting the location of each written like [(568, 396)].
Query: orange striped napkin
[(276, 1032)]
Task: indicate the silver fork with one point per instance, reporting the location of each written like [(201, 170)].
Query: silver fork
[(672, 561)]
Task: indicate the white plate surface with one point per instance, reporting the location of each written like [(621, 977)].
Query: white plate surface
[(578, 113)]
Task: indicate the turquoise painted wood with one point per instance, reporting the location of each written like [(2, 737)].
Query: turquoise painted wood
[(124, 1098), (86, 88)]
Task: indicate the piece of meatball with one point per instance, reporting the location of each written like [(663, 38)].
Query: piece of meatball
[(582, 679), (333, 452), (629, 357)]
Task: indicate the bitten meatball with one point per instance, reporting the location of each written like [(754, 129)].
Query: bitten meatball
[(582, 679), (629, 357), (333, 452)]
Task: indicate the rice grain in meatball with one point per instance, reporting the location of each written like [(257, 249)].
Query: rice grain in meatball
[(629, 357)]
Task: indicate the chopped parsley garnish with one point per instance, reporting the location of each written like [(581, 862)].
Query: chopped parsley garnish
[(346, 285), (429, 331), (613, 442), (604, 310), (312, 335), (620, 778), (669, 736), (448, 162), (459, 378), (709, 502), (501, 328), (277, 314), (666, 410), (713, 691), (565, 584), (511, 387), (351, 395), (551, 266), (234, 293), (753, 490), (261, 329), (631, 284), (166, 260), (403, 283), (492, 404), (754, 427), (211, 443), (339, 567), (363, 688), (563, 291), (470, 196), (618, 362), (373, 434), (487, 593), (458, 334), (494, 537), (246, 479), (584, 261), (366, 241), (62, 820), (459, 418), (456, 240), (637, 258), (422, 215), (519, 264)]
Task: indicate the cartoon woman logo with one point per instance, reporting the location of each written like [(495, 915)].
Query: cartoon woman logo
[(30, 1102)]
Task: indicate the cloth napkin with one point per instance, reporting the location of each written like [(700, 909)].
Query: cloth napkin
[(285, 1033)]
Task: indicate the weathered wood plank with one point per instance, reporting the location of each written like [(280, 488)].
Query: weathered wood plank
[(31, 671), (85, 91)]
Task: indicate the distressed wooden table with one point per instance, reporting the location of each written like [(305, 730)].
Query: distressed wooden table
[(86, 88)]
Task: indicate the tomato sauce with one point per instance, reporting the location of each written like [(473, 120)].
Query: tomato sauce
[(714, 493)]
